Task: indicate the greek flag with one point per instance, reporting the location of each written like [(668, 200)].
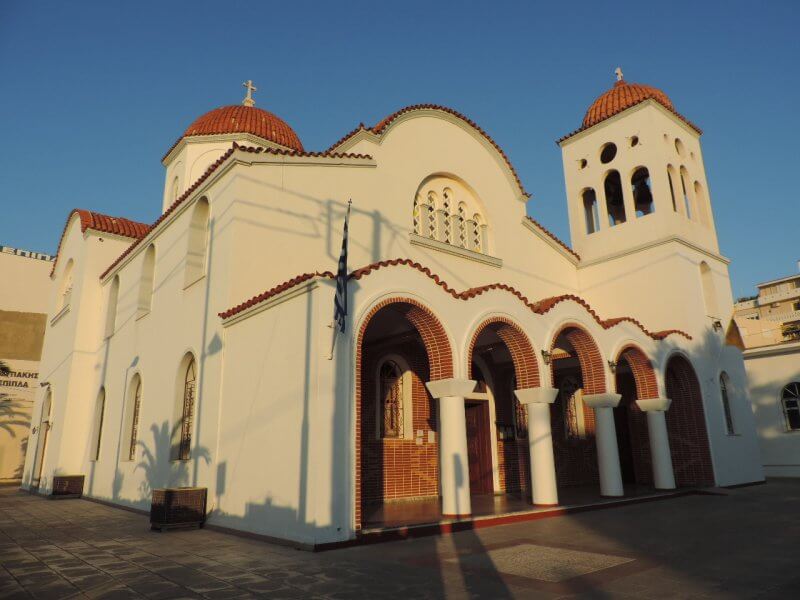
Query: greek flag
[(340, 301)]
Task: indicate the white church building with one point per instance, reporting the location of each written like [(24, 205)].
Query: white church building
[(481, 357)]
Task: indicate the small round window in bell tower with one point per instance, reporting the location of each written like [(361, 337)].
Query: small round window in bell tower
[(607, 153)]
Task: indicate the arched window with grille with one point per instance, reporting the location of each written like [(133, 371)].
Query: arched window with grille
[(394, 411), (185, 407), (725, 392), (790, 402), (446, 210), (132, 410)]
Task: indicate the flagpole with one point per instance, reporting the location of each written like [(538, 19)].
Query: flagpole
[(340, 303)]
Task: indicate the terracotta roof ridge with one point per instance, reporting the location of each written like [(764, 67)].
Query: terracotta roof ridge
[(103, 223), (541, 307), (553, 236), (274, 291), (305, 153), (381, 126)]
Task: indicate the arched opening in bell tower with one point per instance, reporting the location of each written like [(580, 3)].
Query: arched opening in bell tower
[(615, 204)]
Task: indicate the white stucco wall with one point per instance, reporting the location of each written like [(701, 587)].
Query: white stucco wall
[(769, 369)]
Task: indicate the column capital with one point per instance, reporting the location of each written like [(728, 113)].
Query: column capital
[(654, 404), (452, 387), (537, 395), (607, 400)]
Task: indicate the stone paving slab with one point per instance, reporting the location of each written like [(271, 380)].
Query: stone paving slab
[(739, 545)]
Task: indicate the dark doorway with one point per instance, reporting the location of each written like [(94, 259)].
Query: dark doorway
[(622, 424), (479, 448)]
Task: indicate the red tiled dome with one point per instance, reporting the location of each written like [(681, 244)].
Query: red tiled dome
[(246, 119), (623, 95)]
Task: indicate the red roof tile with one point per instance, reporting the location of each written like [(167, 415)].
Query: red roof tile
[(104, 224), (621, 97), (384, 123), (541, 307), (243, 119)]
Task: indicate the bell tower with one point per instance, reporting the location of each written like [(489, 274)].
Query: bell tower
[(634, 174), (638, 199)]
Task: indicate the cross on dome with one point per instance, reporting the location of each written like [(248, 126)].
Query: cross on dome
[(618, 73), (248, 99)]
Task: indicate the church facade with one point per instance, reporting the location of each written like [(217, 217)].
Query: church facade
[(481, 355)]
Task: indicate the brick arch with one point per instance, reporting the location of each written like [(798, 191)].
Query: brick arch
[(439, 354), (519, 346), (589, 357), (686, 424), (430, 329), (644, 374)]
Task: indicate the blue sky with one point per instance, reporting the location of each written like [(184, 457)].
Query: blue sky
[(93, 94)]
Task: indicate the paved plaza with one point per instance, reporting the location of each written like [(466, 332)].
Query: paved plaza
[(742, 543)]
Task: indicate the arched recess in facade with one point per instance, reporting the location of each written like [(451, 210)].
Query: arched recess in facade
[(635, 379), (686, 425), (501, 359), (401, 345), (577, 368)]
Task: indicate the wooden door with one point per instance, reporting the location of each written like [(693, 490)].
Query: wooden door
[(479, 449)]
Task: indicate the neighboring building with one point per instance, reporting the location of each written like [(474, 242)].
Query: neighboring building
[(24, 296), (769, 325), (773, 316), (480, 354)]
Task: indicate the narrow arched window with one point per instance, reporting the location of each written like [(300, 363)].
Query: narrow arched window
[(187, 414), (198, 243), (687, 202), (462, 225), (445, 227), (175, 189), (391, 398), (132, 417), (146, 281), (642, 194), (65, 290), (97, 429), (614, 200), (431, 215), (590, 210), (724, 390), (111, 309), (670, 179), (476, 233), (790, 401), (709, 290), (417, 215)]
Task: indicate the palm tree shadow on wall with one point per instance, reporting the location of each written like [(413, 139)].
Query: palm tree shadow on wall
[(13, 420), (157, 464)]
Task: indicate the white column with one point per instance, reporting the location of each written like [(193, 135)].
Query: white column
[(453, 457), (540, 443), (655, 409), (606, 440)]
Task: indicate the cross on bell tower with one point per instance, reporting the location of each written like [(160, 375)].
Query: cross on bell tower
[(248, 99)]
